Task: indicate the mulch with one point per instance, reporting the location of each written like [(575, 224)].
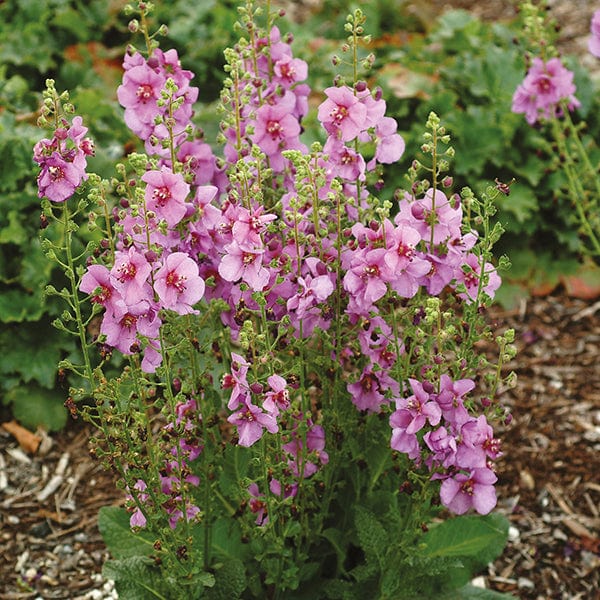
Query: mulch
[(549, 477)]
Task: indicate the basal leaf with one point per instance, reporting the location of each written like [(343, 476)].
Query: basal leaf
[(113, 523), (480, 538)]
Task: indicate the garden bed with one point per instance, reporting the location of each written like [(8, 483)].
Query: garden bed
[(548, 483)]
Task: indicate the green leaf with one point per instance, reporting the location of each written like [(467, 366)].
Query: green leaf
[(226, 536), (470, 592), (477, 538), (371, 534), (113, 523), (230, 581), (339, 542), (35, 407), (135, 578), (235, 460)]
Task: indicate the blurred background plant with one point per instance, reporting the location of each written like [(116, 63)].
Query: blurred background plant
[(462, 68)]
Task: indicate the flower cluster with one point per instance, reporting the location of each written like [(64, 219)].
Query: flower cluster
[(546, 89), (191, 228), (459, 448), (63, 160)]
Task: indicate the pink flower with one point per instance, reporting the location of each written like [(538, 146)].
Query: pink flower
[(276, 129), (342, 114), (366, 393), (59, 178), (594, 42), (390, 145), (251, 422), (244, 261), (178, 284), (278, 398), (130, 274), (122, 325), (545, 86), (237, 381), (470, 274), (138, 94), (166, 193), (98, 282), (475, 490)]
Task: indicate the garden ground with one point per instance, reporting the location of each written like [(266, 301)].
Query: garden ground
[(548, 477)]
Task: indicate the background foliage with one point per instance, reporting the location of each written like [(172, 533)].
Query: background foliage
[(457, 66)]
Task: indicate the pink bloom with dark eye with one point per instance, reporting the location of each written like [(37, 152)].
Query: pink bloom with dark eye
[(98, 282), (342, 114), (59, 178), (470, 274), (237, 381), (594, 43), (138, 94), (366, 393), (367, 279), (545, 86), (122, 325), (244, 261), (278, 398), (404, 261), (477, 444), (417, 409), (165, 195), (130, 275), (251, 422), (178, 284), (475, 490), (348, 164), (276, 129)]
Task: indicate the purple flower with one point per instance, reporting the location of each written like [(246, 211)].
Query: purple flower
[(342, 114), (276, 129), (58, 178), (98, 282), (244, 261), (138, 94), (278, 398), (237, 381), (475, 490), (165, 194), (178, 284), (470, 274), (130, 274), (545, 86), (251, 422)]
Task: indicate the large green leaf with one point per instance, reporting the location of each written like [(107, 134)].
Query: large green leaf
[(113, 523), (477, 538), (135, 578), (35, 407)]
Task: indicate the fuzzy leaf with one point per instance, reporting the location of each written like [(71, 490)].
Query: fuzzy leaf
[(113, 523), (135, 578), (475, 539), (373, 537), (230, 581)]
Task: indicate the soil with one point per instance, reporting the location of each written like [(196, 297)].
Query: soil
[(549, 476)]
